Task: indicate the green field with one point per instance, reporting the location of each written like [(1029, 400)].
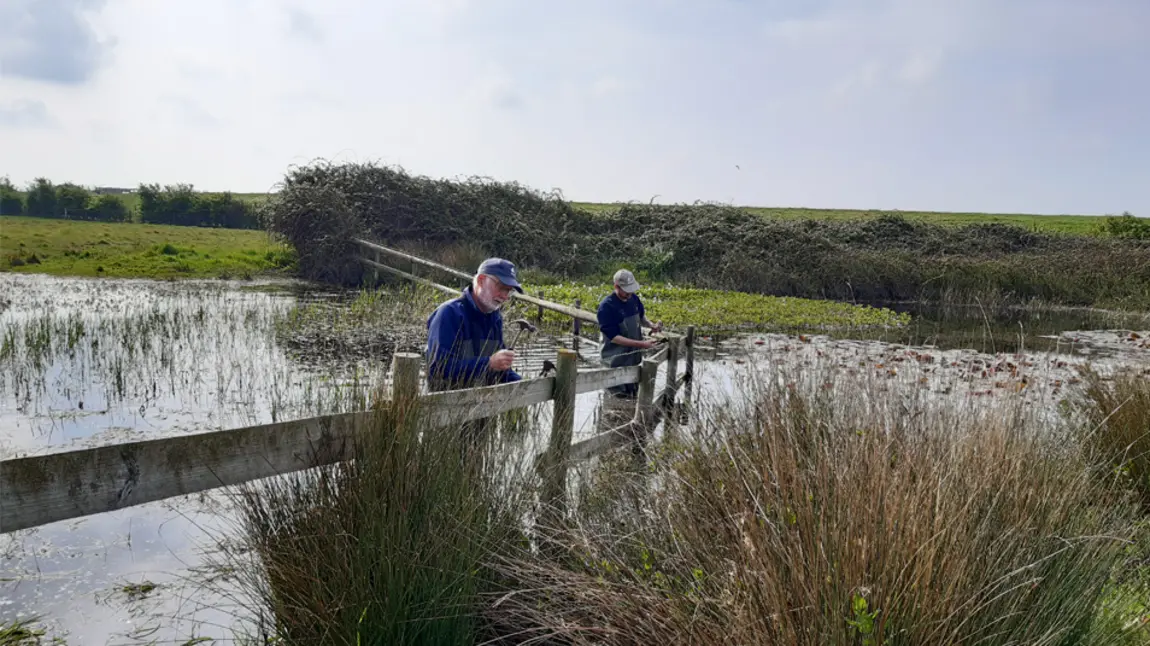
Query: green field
[(130, 250), (1078, 224)]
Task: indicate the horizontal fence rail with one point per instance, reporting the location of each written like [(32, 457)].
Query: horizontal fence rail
[(37, 490), (576, 313)]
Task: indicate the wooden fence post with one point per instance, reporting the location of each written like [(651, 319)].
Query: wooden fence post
[(539, 316), (645, 402), (689, 368), (576, 327), (404, 380), (670, 385), (562, 427)]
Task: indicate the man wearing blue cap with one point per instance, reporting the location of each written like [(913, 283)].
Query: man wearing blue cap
[(465, 334)]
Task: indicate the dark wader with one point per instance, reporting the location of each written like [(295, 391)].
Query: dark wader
[(474, 432), (619, 356)]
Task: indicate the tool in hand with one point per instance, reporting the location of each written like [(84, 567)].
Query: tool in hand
[(523, 324)]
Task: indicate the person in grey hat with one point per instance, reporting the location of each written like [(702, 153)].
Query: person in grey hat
[(465, 335), (621, 319)]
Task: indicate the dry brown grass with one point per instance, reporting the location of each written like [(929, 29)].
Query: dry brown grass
[(800, 522), (1119, 416), (803, 516)]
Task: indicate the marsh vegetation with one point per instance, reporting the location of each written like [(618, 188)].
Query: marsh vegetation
[(948, 453), (834, 440)]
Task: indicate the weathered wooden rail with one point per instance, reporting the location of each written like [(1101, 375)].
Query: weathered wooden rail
[(371, 257), (37, 490)]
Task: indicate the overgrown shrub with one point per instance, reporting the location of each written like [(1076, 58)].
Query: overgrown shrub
[(1126, 226), (321, 206)]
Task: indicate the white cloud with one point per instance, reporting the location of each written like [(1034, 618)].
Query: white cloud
[(892, 103)]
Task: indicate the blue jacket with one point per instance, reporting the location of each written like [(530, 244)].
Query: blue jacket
[(460, 341), (613, 312)]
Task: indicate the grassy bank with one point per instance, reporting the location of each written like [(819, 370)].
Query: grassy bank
[(129, 250), (828, 516)]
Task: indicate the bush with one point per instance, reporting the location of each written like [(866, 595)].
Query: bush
[(108, 208), (10, 201), (72, 201), (321, 207), (1126, 226), (41, 199), (182, 205)]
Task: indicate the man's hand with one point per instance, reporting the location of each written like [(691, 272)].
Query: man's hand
[(501, 360), (657, 326), (646, 344)]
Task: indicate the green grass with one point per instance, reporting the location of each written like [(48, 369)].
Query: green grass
[(1077, 224), (130, 250), (21, 633)]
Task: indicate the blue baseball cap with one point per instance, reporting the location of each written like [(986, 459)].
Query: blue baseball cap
[(502, 269)]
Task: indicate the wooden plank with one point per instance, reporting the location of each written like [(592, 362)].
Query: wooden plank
[(603, 442), (42, 489), (412, 277), (658, 357), (582, 315), (591, 380), (458, 406), (416, 259)]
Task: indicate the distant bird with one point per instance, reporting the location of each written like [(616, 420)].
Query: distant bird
[(737, 167)]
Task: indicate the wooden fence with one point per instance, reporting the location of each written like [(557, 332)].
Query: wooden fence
[(42, 489), (371, 256), (37, 490)]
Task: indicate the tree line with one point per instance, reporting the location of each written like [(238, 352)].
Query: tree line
[(178, 204)]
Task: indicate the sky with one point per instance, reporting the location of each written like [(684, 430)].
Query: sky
[(1022, 106)]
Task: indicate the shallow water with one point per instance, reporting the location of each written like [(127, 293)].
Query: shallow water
[(85, 362)]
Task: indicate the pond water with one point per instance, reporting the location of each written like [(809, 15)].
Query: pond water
[(86, 362)]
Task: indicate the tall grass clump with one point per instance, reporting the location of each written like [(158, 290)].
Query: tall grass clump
[(388, 548), (822, 520), (1120, 427)]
